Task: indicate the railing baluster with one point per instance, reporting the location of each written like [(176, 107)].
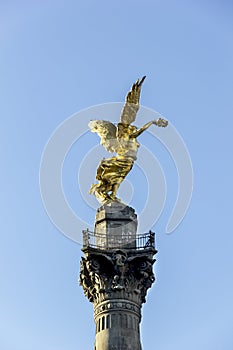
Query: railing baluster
[(99, 241)]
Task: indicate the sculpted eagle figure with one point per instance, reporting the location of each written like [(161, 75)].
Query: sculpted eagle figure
[(121, 139)]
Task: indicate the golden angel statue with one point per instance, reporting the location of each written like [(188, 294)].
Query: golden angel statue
[(121, 139)]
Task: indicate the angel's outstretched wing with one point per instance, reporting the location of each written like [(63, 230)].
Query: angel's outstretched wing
[(129, 111), (107, 133)]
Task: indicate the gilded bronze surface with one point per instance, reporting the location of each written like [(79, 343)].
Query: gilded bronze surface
[(123, 141)]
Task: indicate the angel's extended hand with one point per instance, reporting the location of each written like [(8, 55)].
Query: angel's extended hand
[(161, 122)]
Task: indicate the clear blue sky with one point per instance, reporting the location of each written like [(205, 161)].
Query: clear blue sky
[(58, 57)]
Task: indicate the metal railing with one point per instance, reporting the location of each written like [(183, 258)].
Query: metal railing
[(123, 241)]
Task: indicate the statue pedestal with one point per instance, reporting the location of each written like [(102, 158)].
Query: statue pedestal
[(116, 226), (115, 275)]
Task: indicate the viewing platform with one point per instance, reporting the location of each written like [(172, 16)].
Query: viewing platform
[(126, 241)]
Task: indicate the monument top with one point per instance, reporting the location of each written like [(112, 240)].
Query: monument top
[(121, 139)]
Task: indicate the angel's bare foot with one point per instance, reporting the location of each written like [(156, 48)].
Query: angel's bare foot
[(114, 189)]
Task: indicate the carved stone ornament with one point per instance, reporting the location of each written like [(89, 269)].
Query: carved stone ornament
[(117, 271)]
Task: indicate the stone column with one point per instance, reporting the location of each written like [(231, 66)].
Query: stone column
[(115, 275)]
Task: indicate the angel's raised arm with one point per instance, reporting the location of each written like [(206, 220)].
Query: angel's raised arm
[(159, 122)]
